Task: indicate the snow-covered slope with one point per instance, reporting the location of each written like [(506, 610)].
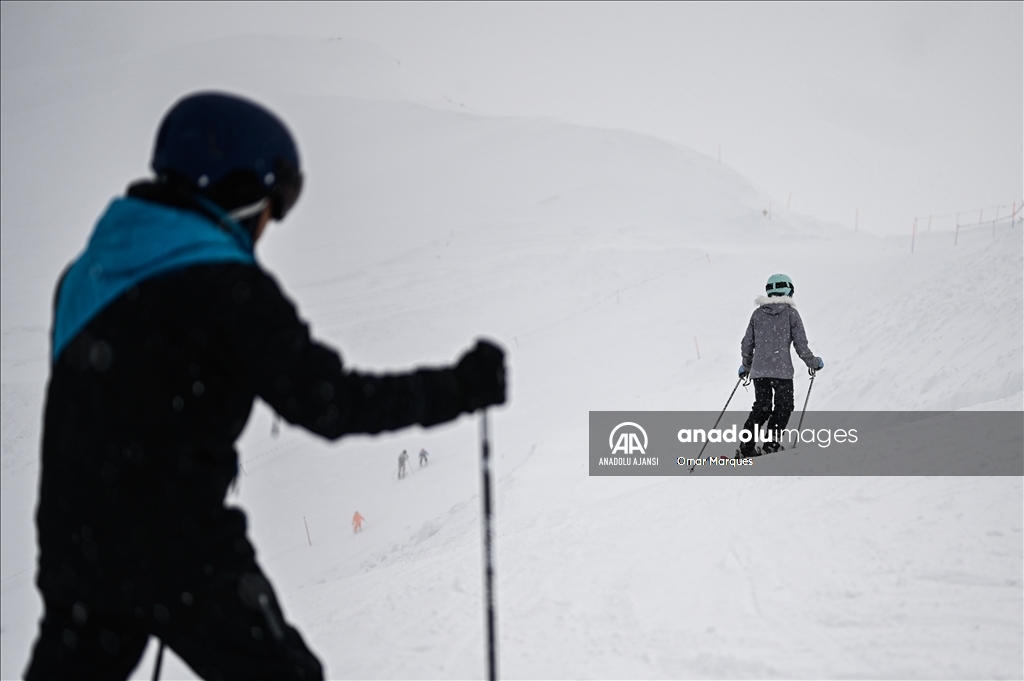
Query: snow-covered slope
[(602, 260)]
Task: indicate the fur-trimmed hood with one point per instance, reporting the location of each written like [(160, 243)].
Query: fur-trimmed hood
[(776, 300)]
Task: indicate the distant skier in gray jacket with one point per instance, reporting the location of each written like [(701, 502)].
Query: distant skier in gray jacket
[(774, 326)]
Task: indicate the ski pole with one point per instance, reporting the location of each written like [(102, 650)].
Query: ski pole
[(723, 413), (159, 661), (812, 372), (485, 468)]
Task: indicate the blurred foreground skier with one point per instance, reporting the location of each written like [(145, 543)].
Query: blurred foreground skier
[(774, 326), (165, 331), (403, 458), (423, 457), (357, 523)]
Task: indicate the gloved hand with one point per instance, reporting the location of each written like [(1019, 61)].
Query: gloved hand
[(743, 371), (821, 364), (480, 375)]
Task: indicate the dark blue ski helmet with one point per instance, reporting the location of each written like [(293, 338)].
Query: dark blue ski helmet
[(230, 149)]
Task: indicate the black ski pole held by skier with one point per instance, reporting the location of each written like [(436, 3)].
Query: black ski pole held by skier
[(741, 379), (485, 468), (159, 661), (812, 372)]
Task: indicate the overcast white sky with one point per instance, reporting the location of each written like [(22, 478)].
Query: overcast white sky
[(898, 110)]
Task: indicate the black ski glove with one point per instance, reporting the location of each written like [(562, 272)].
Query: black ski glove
[(480, 375)]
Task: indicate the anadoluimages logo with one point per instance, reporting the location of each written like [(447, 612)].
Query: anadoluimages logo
[(628, 441)]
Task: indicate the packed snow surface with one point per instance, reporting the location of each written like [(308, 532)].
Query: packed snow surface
[(619, 272)]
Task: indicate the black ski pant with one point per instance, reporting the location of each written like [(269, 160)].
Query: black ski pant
[(228, 626), (773, 405)]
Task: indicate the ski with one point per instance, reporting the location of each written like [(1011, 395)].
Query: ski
[(758, 451)]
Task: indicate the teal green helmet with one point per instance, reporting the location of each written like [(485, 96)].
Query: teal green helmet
[(779, 285)]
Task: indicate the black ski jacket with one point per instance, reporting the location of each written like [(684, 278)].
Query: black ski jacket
[(144, 406)]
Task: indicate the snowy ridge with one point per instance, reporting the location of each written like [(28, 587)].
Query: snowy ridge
[(601, 260)]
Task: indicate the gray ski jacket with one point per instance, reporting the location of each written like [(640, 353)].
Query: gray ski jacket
[(774, 325)]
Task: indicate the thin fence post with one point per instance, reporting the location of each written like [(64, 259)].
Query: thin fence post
[(1015, 207)]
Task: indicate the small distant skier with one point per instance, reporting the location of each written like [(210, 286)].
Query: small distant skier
[(403, 458), (357, 523), (423, 457), (774, 326)]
